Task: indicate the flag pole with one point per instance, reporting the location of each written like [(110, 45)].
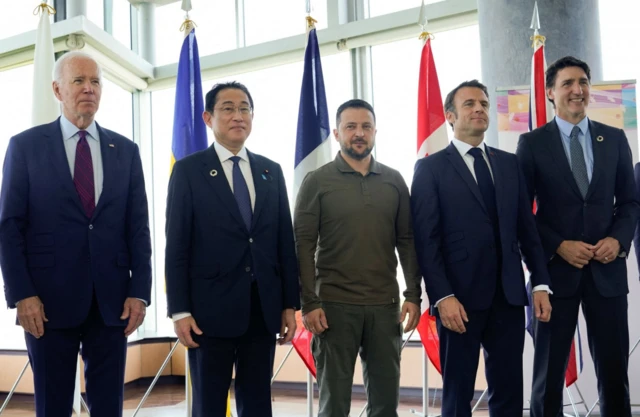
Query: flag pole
[(310, 25)]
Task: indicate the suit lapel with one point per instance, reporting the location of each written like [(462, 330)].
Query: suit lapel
[(261, 179), (598, 153), (554, 144), (215, 176), (55, 144), (109, 153), (456, 160), (498, 178)]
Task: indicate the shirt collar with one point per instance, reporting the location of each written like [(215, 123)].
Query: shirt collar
[(224, 154), (69, 130), (566, 127), (464, 148), (343, 166)]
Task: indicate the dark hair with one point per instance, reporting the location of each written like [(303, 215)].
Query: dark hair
[(212, 96), (448, 102), (356, 103), (562, 63)]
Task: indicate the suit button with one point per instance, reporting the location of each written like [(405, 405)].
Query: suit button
[(586, 205), (90, 227), (492, 246), (250, 240), (248, 269)]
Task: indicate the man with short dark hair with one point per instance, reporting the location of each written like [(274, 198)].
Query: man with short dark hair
[(581, 176), (351, 215), (231, 269), (75, 247), (473, 220)]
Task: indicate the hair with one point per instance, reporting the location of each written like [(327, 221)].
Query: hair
[(449, 106), (59, 65), (355, 103), (212, 96), (562, 63)]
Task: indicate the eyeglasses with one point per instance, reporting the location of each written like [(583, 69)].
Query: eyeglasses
[(229, 110)]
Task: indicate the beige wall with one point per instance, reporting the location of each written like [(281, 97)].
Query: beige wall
[(144, 360)]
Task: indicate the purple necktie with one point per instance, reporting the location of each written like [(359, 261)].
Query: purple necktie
[(83, 175)]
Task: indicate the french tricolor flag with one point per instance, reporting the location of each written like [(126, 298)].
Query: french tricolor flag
[(313, 147)]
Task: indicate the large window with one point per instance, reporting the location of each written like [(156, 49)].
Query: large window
[(276, 94), (266, 21), (380, 7), (95, 12), (618, 22), (215, 28), (17, 17), (116, 109), (16, 83), (122, 22)]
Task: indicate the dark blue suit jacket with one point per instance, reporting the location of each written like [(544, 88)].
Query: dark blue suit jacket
[(211, 257), (48, 246), (454, 234), (610, 207), (636, 236)]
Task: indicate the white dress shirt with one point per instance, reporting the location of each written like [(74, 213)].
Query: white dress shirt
[(464, 148), (227, 165)]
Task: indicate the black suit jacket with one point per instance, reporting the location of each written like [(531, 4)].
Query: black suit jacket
[(454, 233), (610, 207), (211, 257)]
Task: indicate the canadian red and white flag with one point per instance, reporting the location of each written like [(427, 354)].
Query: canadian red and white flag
[(432, 137), (432, 126)]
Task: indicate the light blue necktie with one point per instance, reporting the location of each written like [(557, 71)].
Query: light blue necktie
[(578, 165), (241, 192)]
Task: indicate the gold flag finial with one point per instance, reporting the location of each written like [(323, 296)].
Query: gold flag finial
[(187, 25), (311, 22), (538, 40), (426, 35), (42, 7)]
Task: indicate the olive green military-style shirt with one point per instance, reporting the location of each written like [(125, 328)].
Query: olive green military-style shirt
[(348, 227)]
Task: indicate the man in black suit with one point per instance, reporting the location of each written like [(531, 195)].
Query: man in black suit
[(581, 175), (231, 268), (472, 220)]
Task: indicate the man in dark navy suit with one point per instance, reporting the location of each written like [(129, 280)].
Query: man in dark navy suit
[(581, 175), (75, 248), (231, 268), (473, 219)]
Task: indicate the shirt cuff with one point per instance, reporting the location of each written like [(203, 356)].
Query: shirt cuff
[(542, 288), (443, 298), (145, 303), (180, 316)]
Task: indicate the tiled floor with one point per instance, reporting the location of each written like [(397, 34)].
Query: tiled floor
[(169, 401)]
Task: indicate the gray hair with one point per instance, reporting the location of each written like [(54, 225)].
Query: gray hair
[(60, 63)]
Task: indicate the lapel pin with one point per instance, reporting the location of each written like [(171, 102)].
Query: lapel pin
[(266, 176), (111, 145), (213, 173), (599, 138)]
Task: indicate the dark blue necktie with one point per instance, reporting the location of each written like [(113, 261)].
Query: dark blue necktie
[(485, 183), (241, 192)]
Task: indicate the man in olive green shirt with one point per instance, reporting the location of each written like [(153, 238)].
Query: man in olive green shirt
[(350, 217)]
